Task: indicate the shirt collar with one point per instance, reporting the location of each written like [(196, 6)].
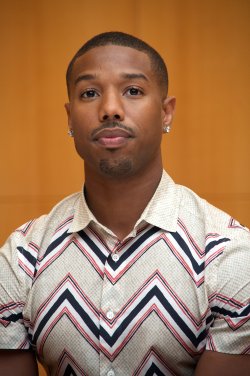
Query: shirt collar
[(161, 211), (82, 214), (163, 208)]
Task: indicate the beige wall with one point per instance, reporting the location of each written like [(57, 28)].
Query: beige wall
[(206, 46)]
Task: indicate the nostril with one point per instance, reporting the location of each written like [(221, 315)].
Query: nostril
[(116, 116), (105, 117)]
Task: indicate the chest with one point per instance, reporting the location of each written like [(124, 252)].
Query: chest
[(94, 309)]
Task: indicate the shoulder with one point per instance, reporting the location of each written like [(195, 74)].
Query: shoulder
[(61, 214), (200, 214), (30, 239)]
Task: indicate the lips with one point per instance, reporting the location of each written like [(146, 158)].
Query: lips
[(112, 138)]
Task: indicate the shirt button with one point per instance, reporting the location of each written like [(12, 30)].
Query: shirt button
[(110, 316), (111, 373), (115, 257)]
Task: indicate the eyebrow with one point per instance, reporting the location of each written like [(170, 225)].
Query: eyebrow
[(85, 77), (134, 75), (129, 76)]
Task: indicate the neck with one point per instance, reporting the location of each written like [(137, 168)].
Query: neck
[(119, 203)]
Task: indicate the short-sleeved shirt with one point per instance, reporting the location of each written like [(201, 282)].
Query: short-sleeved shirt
[(90, 304)]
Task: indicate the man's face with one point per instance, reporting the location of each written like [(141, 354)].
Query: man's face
[(117, 111)]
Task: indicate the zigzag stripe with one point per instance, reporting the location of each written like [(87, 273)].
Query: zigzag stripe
[(156, 279), (68, 366), (52, 256), (11, 312), (124, 266), (155, 371), (154, 301), (96, 238), (56, 243), (136, 246), (194, 267), (64, 224), (26, 261), (181, 244), (100, 253), (96, 256), (178, 247), (234, 319), (152, 364), (225, 300), (68, 306), (184, 233), (232, 311), (4, 323), (69, 301), (197, 267), (94, 261)]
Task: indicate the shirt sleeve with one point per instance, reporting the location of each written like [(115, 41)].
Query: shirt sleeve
[(230, 304), (15, 280)]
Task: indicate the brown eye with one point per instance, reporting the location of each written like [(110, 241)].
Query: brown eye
[(134, 91), (90, 93)]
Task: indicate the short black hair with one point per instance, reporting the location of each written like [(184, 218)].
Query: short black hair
[(118, 38)]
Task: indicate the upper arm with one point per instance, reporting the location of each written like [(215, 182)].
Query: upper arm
[(229, 302), (214, 363), (14, 285), (18, 363)]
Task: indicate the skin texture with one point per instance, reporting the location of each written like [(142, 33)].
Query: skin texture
[(18, 363), (214, 363)]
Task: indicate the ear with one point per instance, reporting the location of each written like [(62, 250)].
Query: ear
[(68, 110), (168, 109)]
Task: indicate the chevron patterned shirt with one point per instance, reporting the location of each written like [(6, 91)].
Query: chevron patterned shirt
[(90, 304)]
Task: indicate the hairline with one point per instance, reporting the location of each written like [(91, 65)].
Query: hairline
[(153, 55)]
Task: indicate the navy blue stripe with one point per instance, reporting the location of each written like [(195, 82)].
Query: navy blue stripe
[(133, 248), (69, 371), (154, 370), (226, 312), (14, 317), (154, 292), (66, 295), (27, 255), (197, 268), (56, 243), (102, 257), (212, 244)]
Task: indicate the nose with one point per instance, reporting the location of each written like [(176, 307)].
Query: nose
[(111, 107)]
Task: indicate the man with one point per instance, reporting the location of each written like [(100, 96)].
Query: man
[(135, 275)]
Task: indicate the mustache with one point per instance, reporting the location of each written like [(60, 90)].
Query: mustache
[(112, 124)]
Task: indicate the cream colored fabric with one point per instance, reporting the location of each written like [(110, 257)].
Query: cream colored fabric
[(91, 304)]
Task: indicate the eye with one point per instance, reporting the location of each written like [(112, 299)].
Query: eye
[(89, 93), (134, 91)]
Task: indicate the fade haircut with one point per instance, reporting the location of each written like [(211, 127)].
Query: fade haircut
[(118, 38)]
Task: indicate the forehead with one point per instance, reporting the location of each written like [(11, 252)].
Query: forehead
[(112, 59)]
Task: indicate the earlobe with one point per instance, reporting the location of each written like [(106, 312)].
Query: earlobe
[(168, 110)]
